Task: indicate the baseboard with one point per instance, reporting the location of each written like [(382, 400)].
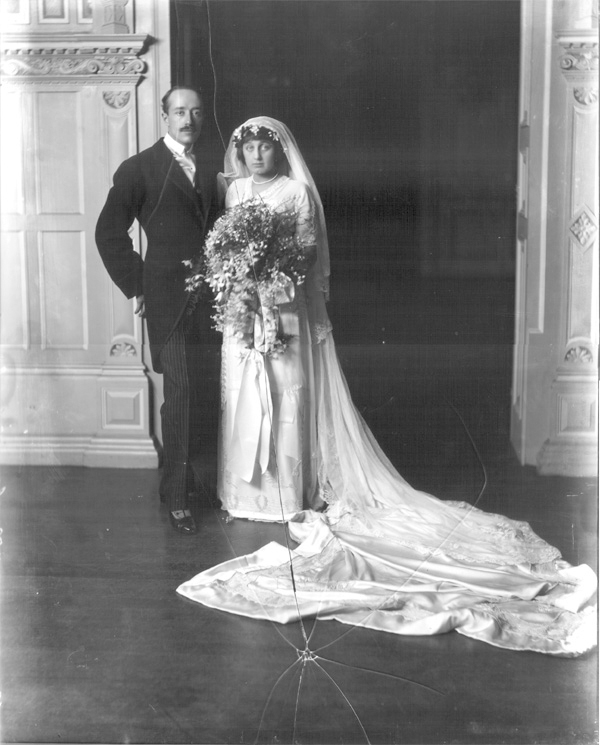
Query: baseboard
[(568, 458), (92, 452)]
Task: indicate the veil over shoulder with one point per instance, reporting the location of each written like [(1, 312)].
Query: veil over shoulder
[(384, 555)]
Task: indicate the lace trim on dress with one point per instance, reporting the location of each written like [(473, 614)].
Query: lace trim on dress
[(326, 493), (223, 382), (321, 331), (512, 537), (293, 393), (305, 226), (542, 622)]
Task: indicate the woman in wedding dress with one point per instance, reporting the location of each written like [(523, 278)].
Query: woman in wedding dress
[(381, 554), (267, 458)]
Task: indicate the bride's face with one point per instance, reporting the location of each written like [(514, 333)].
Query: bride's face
[(260, 158)]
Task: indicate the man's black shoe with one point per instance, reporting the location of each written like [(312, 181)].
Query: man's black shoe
[(183, 522)]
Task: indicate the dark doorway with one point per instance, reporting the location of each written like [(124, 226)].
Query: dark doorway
[(407, 114)]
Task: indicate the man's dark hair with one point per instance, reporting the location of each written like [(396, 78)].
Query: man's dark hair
[(165, 98)]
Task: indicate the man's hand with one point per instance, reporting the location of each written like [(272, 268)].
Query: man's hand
[(140, 308)]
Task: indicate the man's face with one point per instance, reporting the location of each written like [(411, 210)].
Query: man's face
[(184, 117)]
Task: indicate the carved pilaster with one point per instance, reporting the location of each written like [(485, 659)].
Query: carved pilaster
[(572, 446), (118, 126), (579, 65)]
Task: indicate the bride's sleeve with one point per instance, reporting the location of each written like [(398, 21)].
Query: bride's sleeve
[(315, 283), (305, 220), (233, 195)]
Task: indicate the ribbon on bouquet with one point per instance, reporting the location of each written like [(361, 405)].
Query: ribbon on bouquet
[(286, 292), (266, 320), (252, 426), (251, 435)]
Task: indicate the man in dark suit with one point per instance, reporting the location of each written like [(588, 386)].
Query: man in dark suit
[(173, 195)]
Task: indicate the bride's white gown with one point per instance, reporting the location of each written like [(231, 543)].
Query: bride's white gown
[(267, 430), (382, 555)]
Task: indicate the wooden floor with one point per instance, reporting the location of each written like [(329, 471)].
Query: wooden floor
[(98, 647)]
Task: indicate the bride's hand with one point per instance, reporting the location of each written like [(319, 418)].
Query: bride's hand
[(140, 307)]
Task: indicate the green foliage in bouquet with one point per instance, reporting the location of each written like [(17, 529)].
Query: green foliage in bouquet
[(251, 261)]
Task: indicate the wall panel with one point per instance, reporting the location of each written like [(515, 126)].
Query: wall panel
[(58, 150), (14, 328), (63, 290)]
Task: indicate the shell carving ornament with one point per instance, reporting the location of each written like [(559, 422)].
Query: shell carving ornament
[(586, 96), (122, 349), (581, 355), (116, 99)]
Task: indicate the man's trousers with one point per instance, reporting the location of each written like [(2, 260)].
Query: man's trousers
[(180, 361)]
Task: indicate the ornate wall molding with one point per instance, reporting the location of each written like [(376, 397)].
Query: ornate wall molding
[(579, 61), (581, 58), (68, 58)]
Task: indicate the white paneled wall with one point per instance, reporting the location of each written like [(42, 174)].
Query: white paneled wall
[(76, 389)]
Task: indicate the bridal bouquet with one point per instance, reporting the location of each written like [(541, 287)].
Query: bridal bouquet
[(251, 262)]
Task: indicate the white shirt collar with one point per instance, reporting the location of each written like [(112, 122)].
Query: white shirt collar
[(174, 146)]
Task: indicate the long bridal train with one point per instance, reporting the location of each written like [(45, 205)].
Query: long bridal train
[(388, 557), (381, 555)]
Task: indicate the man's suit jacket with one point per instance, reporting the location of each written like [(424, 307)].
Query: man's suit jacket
[(152, 188)]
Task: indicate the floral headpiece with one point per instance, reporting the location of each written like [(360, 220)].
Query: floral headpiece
[(257, 132)]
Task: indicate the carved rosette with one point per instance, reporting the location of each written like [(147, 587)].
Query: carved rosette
[(586, 95), (579, 355), (123, 349), (116, 99), (53, 59), (583, 228)]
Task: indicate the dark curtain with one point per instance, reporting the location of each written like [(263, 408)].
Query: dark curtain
[(406, 112)]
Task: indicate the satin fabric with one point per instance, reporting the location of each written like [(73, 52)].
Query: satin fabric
[(375, 583)]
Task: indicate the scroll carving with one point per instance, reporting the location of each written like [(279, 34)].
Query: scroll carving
[(64, 58), (579, 61), (584, 59), (62, 65)]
